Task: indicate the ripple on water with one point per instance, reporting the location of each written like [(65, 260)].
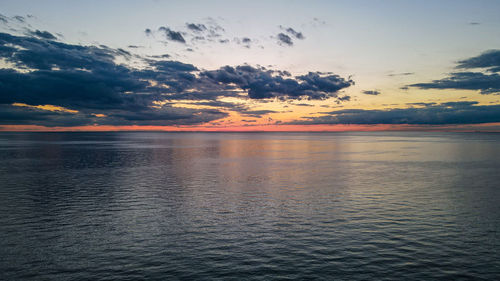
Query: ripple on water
[(198, 206)]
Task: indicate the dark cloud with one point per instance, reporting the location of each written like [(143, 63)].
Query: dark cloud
[(430, 114), (197, 32), (421, 103), (166, 115), (489, 60), (343, 98), (401, 74), (256, 113), (16, 115), (371, 92), (293, 32), (198, 38), (474, 23), (241, 108), (262, 83), (164, 56), (3, 19), (244, 41), (172, 35), (20, 19), (284, 39), (196, 27), (43, 34), (44, 55), (88, 81), (485, 83)]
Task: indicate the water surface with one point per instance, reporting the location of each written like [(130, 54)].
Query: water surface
[(249, 206)]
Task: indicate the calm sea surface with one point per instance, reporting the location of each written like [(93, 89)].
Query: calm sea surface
[(249, 206)]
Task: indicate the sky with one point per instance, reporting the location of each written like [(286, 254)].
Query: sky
[(249, 65)]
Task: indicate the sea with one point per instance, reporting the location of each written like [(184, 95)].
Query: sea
[(249, 206)]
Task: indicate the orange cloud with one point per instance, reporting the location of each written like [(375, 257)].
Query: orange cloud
[(48, 107)]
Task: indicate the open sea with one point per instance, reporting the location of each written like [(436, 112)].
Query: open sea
[(250, 206)]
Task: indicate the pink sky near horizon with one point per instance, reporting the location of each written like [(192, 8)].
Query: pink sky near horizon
[(487, 127)]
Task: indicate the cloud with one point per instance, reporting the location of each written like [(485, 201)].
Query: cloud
[(489, 60), (14, 115), (401, 74), (164, 56), (371, 92), (20, 19), (87, 81), (343, 98), (196, 27), (3, 19), (293, 32), (284, 39), (429, 114), (485, 83), (172, 35), (421, 103), (262, 83), (243, 41), (256, 113), (194, 33), (43, 34)]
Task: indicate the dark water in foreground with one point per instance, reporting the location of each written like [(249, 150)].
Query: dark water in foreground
[(263, 206)]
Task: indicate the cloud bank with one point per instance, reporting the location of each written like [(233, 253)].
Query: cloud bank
[(91, 87), (486, 80), (429, 114)]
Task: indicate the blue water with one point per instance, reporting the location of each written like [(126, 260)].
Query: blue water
[(249, 206)]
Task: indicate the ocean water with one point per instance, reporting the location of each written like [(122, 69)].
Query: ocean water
[(249, 206)]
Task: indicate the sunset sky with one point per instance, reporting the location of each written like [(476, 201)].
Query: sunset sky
[(249, 65)]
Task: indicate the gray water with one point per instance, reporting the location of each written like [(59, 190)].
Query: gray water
[(249, 206)]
